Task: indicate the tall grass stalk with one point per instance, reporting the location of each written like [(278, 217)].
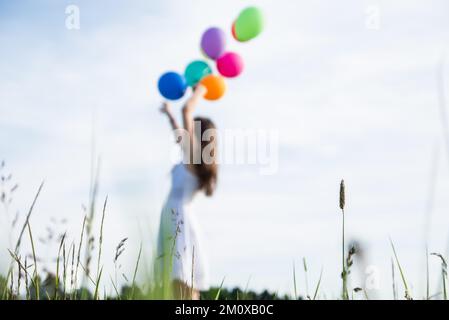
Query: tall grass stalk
[(135, 272), (97, 284), (317, 288), (115, 289), (430, 204), (19, 277), (245, 292), (35, 274), (19, 240), (78, 258), (27, 219), (100, 244), (27, 287), (118, 252), (304, 264), (443, 273), (404, 281), (65, 260), (72, 269), (57, 280), (92, 281), (294, 281), (95, 171), (393, 281), (344, 294), (25, 268), (217, 296)]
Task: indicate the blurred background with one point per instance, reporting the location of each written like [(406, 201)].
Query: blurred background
[(352, 88)]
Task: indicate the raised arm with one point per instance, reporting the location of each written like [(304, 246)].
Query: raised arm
[(166, 109), (187, 116), (189, 107)]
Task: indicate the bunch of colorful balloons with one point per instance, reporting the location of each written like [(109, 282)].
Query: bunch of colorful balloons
[(247, 26)]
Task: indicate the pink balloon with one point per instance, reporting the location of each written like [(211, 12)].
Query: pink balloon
[(230, 65)]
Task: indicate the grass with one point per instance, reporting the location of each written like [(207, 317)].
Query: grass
[(443, 273), (401, 272), (344, 271), (26, 281), (294, 282), (135, 273), (315, 295), (304, 264), (100, 244)]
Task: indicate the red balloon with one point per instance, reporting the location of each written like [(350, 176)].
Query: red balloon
[(234, 34)]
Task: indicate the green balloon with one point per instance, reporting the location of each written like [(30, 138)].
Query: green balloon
[(249, 24), (196, 71)]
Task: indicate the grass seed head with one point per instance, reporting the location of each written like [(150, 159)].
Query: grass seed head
[(342, 195)]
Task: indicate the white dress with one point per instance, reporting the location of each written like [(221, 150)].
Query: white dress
[(179, 250)]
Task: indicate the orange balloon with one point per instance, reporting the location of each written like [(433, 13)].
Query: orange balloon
[(215, 86)]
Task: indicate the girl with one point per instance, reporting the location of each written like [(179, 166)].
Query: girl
[(179, 250)]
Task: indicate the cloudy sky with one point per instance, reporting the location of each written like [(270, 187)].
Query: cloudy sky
[(351, 89)]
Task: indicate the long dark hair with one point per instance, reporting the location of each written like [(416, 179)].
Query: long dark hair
[(206, 171)]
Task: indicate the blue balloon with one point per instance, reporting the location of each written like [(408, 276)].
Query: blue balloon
[(172, 85)]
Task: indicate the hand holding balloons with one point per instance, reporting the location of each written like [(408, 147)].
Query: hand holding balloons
[(248, 25)]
